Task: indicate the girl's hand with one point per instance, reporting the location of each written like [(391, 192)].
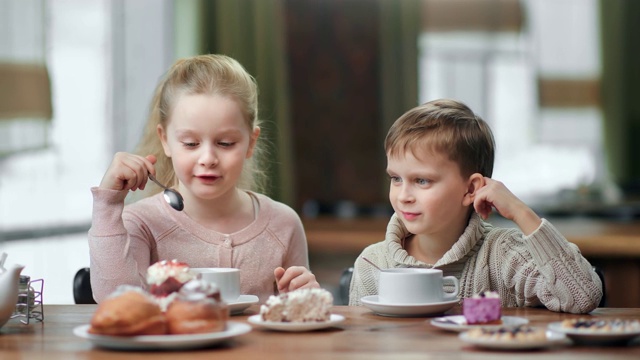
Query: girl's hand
[(128, 172), (495, 195), (295, 277)]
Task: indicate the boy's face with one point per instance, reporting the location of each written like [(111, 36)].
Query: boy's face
[(428, 194)]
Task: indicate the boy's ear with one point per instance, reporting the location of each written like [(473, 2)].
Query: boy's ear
[(475, 182)]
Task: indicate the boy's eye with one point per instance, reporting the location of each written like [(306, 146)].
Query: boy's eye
[(189, 144), (395, 179), (226, 143), (422, 181)]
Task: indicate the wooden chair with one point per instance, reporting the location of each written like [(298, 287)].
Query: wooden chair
[(82, 293), (347, 274)]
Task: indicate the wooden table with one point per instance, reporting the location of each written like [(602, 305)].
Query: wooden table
[(613, 246), (363, 335)]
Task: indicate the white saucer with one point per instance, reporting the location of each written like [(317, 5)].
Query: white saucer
[(243, 302), (459, 323), (552, 339), (406, 310), (590, 337), (155, 342), (295, 326)]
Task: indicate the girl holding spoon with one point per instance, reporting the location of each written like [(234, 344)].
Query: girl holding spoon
[(201, 137)]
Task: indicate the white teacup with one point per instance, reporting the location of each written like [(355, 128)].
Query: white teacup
[(414, 286), (227, 280)]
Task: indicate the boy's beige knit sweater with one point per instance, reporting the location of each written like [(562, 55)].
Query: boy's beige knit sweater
[(540, 269)]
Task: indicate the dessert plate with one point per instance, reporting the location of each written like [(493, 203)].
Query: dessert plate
[(594, 337), (242, 304), (295, 326), (458, 323), (406, 310), (552, 339), (170, 342)]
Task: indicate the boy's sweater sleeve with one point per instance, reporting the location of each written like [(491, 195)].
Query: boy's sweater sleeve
[(364, 281), (114, 252), (544, 267)]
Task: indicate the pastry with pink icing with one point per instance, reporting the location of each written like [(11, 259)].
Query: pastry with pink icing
[(166, 277), (483, 308)]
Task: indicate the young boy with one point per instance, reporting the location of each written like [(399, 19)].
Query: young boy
[(439, 159)]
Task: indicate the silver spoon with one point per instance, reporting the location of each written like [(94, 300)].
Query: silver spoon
[(171, 196)]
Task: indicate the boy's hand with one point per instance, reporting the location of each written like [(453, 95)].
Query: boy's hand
[(495, 195), (295, 277), (128, 172)]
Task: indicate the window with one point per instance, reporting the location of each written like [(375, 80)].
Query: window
[(534, 83)]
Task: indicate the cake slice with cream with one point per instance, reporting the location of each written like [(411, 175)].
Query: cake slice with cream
[(303, 305)]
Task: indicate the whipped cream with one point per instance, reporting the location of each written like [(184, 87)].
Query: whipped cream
[(486, 294), (159, 272)]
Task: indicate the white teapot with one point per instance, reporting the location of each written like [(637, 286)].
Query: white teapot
[(9, 279)]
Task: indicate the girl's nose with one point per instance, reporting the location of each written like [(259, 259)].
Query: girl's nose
[(208, 156)]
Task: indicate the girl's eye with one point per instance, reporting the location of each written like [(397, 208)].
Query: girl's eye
[(226, 143), (189, 144), (422, 181), (395, 179)]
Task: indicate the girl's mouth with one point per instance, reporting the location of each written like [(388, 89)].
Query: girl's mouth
[(208, 178)]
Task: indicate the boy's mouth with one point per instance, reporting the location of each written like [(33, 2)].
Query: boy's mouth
[(410, 215)]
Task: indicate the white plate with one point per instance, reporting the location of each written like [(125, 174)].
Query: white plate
[(406, 310), (242, 304), (552, 339), (592, 337), (172, 342), (295, 326), (459, 323)]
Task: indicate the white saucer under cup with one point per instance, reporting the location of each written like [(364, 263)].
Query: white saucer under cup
[(415, 286)]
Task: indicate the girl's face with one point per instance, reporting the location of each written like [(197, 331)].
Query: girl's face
[(429, 194), (208, 141)]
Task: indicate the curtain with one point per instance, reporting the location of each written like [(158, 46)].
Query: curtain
[(252, 33)]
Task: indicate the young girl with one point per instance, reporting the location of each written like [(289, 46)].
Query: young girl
[(201, 136), (440, 160)]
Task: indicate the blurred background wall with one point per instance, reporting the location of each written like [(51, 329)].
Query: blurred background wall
[(556, 79)]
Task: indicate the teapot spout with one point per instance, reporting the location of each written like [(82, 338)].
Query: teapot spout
[(9, 291)]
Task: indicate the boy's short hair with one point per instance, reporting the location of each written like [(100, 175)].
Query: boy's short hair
[(447, 127)]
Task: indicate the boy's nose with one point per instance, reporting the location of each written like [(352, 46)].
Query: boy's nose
[(405, 194)]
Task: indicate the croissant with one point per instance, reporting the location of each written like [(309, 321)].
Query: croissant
[(128, 314)]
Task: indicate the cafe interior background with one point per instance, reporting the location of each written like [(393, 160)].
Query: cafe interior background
[(557, 80)]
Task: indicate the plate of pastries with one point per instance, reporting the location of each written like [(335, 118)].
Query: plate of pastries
[(179, 312)]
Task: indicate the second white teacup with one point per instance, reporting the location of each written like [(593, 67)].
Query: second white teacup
[(415, 286), (227, 280)]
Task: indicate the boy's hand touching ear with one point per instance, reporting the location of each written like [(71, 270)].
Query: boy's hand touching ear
[(295, 277), (495, 195)]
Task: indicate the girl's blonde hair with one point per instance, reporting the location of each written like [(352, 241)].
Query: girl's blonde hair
[(210, 75), (446, 127)]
